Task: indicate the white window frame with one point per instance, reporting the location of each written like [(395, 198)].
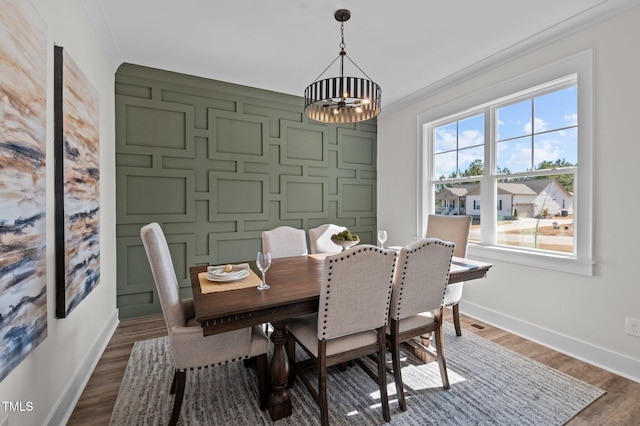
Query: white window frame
[(581, 261)]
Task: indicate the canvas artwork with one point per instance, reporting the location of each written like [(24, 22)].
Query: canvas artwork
[(23, 80), (77, 185)]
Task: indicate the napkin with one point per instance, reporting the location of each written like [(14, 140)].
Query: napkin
[(234, 268)]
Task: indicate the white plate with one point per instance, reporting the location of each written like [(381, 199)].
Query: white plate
[(228, 276)]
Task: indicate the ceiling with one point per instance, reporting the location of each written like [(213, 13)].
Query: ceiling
[(408, 47)]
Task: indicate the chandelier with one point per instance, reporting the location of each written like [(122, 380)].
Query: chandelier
[(342, 99)]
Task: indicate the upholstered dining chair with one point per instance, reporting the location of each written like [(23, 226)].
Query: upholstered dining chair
[(284, 241), (189, 348), (422, 272), (320, 238), (455, 229), (350, 323)]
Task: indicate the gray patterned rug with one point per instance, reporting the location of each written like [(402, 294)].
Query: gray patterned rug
[(490, 385)]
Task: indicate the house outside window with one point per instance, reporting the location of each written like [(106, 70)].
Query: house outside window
[(517, 155)]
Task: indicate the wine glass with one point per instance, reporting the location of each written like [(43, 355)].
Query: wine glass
[(263, 260), (382, 237)]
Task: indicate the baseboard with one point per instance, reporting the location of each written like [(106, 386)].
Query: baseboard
[(613, 362), (63, 408)]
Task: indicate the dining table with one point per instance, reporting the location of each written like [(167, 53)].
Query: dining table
[(295, 290)]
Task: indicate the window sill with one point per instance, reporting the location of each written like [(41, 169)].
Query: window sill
[(556, 262)]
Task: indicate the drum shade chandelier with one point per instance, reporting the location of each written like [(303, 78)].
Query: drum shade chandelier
[(342, 99)]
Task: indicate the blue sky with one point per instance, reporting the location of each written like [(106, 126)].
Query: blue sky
[(517, 149)]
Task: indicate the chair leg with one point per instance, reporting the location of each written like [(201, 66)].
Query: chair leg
[(172, 390), (322, 384), (456, 319), (382, 374), (179, 379), (439, 338), (263, 382), (397, 370)]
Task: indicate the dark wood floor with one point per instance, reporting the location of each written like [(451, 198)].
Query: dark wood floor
[(619, 406)]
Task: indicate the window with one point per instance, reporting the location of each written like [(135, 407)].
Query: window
[(523, 151)]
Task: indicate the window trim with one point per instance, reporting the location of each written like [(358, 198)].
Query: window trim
[(581, 65)]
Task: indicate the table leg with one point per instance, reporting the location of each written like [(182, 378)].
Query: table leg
[(279, 402)]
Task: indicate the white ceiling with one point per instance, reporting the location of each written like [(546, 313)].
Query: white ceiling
[(407, 47)]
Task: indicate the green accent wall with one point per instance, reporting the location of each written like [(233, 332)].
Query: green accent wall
[(215, 164)]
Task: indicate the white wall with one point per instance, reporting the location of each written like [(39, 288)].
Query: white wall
[(53, 374), (582, 316)]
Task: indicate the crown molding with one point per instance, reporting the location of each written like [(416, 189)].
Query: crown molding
[(95, 14), (598, 13)]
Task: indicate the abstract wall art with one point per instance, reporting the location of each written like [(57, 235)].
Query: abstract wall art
[(77, 184), (23, 80)]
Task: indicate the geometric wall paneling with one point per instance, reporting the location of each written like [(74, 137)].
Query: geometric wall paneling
[(333, 172), (367, 174), (358, 196), (332, 216), (358, 150), (129, 160), (231, 248), (145, 124), (23, 182), (238, 196), (142, 91), (231, 162), (303, 144), (131, 278), (135, 287), (276, 113), (368, 221), (370, 126), (303, 197), (238, 136), (147, 195), (200, 101)]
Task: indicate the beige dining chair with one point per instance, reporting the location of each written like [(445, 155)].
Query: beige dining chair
[(421, 275), (455, 229), (320, 238), (350, 323), (284, 241), (189, 348)]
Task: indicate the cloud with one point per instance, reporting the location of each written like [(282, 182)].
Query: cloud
[(445, 139), (516, 156), (548, 150), (470, 138), (571, 119), (539, 126), (444, 164)]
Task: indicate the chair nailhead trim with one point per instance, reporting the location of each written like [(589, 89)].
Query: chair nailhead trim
[(212, 365)]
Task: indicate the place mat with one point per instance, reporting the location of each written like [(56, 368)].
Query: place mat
[(321, 256), (207, 286)]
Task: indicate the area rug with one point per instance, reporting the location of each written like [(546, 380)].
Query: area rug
[(490, 385)]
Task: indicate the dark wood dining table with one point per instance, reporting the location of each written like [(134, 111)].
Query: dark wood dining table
[(295, 290)]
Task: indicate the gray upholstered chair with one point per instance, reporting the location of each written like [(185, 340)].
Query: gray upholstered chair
[(189, 348), (419, 284), (320, 238), (284, 241), (455, 229), (353, 313)]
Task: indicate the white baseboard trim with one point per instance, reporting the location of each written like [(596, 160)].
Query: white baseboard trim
[(613, 362), (67, 401)]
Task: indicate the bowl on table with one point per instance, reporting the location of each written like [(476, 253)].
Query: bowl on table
[(345, 244)]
